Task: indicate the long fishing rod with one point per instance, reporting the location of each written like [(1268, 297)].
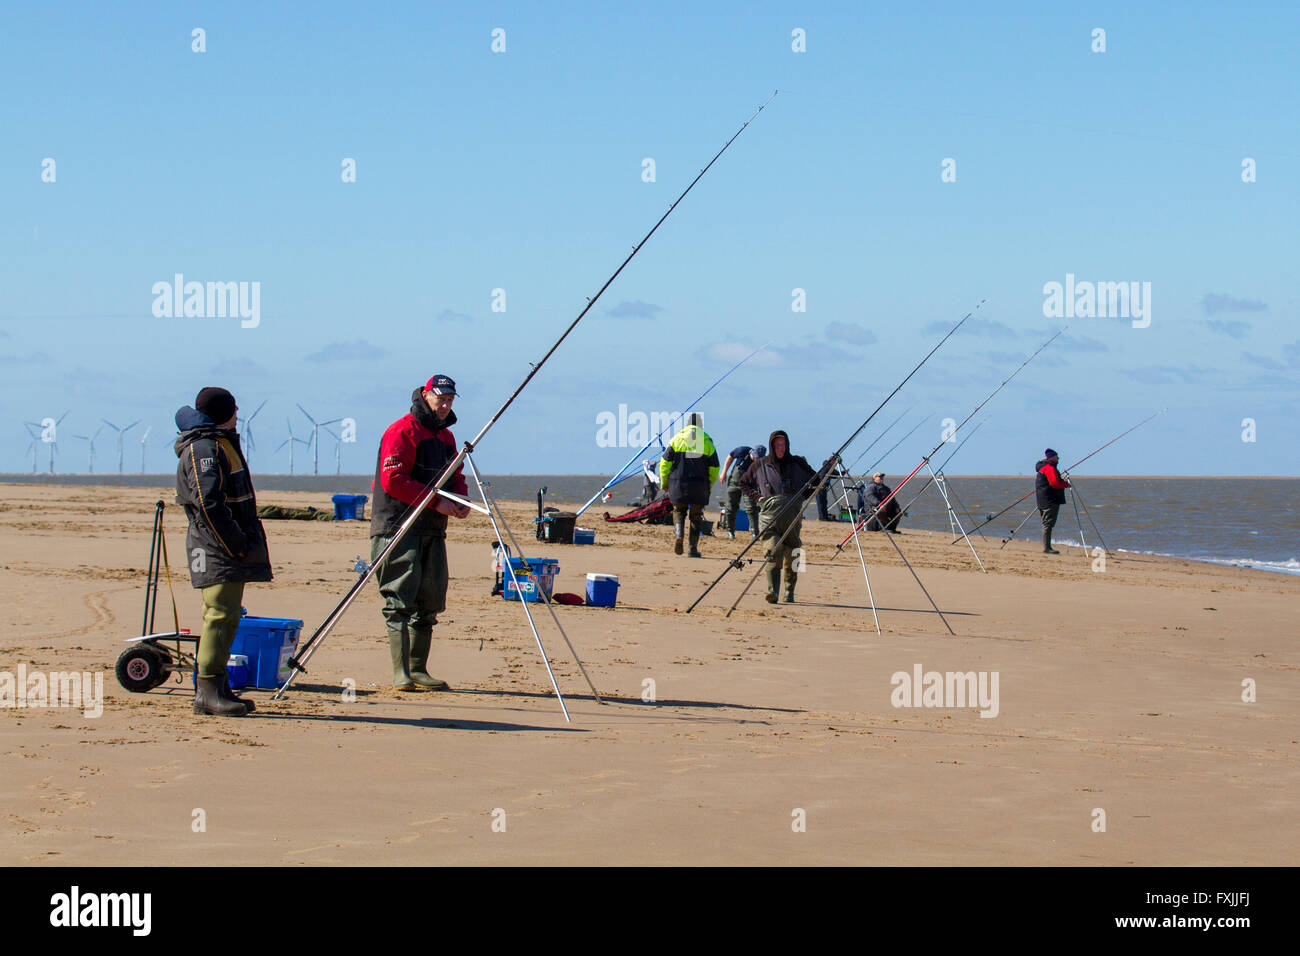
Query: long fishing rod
[(736, 562), (848, 470), (910, 432), (929, 481), (298, 661), (618, 476), (992, 518), (939, 471), (875, 441), (924, 419), (974, 412)]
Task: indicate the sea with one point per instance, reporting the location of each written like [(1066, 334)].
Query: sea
[(1244, 522)]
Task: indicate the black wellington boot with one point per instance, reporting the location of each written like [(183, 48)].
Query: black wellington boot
[(208, 699), (228, 693)]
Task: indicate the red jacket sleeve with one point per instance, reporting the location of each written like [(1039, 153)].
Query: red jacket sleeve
[(1053, 478)]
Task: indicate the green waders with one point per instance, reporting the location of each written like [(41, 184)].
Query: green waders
[(212, 693), (413, 583), (221, 607), (1048, 517), (774, 519)]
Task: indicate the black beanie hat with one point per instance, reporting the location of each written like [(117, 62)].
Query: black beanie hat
[(1050, 453), (217, 403)]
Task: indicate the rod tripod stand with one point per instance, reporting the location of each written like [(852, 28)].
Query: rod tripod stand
[(498, 520)]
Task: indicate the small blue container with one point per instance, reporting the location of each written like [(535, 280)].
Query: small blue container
[(268, 643), (584, 535), (349, 507), (742, 520), (535, 575), (602, 590), (237, 671)]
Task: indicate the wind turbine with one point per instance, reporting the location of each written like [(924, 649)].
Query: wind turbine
[(121, 434), (246, 431), (144, 438), (53, 440), (338, 450), (31, 448), (315, 438), (289, 441), (91, 439)]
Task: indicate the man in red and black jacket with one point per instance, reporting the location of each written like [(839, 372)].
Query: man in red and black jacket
[(1050, 489), (414, 451)]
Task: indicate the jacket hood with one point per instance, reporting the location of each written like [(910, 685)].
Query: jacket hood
[(1041, 463), (425, 416), (771, 440), (191, 423)]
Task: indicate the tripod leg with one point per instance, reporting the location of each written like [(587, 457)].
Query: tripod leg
[(491, 503), (891, 540), (870, 597)]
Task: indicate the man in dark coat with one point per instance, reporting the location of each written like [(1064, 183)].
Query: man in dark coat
[(887, 518), (225, 545), (1049, 488), (781, 484), (414, 451)]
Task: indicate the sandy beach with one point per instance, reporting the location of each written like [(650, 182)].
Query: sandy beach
[(772, 737)]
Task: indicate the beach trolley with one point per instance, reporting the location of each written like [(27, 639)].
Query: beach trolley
[(155, 655)]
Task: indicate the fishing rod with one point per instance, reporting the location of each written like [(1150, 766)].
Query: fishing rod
[(924, 419), (876, 440), (820, 478), (974, 412), (298, 662), (618, 476), (939, 471), (929, 481), (848, 471), (992, 518)]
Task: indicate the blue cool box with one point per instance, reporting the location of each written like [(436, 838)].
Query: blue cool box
[(602, 590), (532, 574), (268, 643), (742, 520), (349, 507), (237, 671), (584, 535)]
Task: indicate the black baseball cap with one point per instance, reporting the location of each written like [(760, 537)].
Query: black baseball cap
[(441, 385)]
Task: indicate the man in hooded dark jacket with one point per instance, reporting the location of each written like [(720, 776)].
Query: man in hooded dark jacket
[(1049, 488), (414, 451), (780, 484), (225, 545)]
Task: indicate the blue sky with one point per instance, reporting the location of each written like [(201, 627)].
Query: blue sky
[(522, 170)]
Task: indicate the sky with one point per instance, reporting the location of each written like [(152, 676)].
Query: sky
[(917, 164)]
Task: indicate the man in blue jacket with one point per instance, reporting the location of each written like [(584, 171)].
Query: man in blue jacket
[(225, 545)]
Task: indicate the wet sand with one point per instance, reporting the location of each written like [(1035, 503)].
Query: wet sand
[(1119, 690)]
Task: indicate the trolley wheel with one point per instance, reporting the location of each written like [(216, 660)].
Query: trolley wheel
[(141, 668)]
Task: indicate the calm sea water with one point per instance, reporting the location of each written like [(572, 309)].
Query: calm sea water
[(1253, 522)]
